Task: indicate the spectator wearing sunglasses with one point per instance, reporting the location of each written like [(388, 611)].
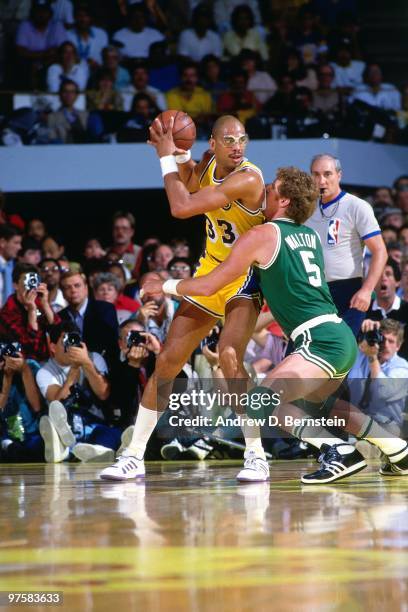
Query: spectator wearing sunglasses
[(50, 273)]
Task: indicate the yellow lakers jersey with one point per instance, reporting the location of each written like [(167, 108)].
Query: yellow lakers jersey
[(225, 225)]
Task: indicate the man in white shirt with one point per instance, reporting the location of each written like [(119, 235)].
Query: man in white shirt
[(88, 40), (343, 223), (348, 73), (199, 40), (135, 40), (376, 93)]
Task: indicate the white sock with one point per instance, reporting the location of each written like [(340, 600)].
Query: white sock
[(253, 439), (317, 436), (145, 423), (377, 435)]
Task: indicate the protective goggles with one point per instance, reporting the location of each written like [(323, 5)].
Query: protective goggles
[(230, 141)]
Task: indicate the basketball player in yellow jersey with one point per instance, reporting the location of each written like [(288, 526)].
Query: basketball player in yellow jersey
[(230, 192)]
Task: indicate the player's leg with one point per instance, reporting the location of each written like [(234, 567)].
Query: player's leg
[(241, 315), (188, 328), (297, 378)]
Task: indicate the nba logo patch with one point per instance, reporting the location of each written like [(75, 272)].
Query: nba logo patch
[(333, 232)]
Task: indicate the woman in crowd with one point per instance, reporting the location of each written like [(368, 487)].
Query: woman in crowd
[(68, 68)]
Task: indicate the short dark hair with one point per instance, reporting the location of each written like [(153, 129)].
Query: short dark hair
[(7, 232), (22, 268), (68, 82), (121, 214), (395, 268), (183, 260), (54, 261), (29, 244), (64, 327)]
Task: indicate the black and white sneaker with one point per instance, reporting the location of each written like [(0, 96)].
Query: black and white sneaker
[(335, 465), (396, 464)]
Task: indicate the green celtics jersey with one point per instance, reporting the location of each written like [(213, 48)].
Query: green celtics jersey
[(293, 282)]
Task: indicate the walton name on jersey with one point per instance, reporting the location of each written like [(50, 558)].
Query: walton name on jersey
[(299, 240)]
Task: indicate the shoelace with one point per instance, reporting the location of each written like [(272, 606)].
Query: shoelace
[(330, 455)]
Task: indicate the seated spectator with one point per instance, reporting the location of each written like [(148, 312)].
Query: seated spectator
[(181, 247), (68, 125), (108, 288), (348, 72), (304, 76), (326, 98), (200, 40), (93, 249), (163, 67), (134, 40), (140, 84), (20, 404), (104, 97), (402, 291), (180, 268), (346, 29), (87, 38), (189, 97), (142, 113), (10, 246), (36, 229), (259, 82), (37, 41), (392, 217), (74, 381), (63, 11), (376, 93), (9, 218), (30, 252), (395, 251), (131, 372), (243, 34), (382, 197), (119, 74), (123, 231), (96, 320), (161, 257), (387, 305), (223, 10), (212, 77), (389, 234), (238, 100), (401, 198), (284, 102), (53, 247), (68, 68), (403, 236), (27, 314), (307, 36), (156, 312), (378, 381), (50, 273)]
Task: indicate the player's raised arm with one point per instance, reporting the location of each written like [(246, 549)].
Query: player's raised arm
[(244, 185)]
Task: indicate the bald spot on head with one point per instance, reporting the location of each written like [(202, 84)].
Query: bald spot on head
[(225, 124)]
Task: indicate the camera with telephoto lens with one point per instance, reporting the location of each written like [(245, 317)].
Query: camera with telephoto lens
[(371, 337), (31, 281), (10, 349), (134, 338), (212, 340), (71, 339)]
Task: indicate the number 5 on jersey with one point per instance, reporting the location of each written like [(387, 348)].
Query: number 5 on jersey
[(312, 269)]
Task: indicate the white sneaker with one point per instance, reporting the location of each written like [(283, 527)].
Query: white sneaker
[(125, 439), (126, 467), (255, 468), (59, 418), (55, 451), (172, 450), (93, 453)]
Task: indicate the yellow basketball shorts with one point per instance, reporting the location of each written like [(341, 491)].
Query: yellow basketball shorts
[(246, 286)]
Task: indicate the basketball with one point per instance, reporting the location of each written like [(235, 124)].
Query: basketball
[(184, 130)]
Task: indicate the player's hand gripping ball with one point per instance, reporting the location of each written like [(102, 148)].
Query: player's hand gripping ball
[(184, 129)]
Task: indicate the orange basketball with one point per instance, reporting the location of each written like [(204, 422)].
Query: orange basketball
[(184, 130)]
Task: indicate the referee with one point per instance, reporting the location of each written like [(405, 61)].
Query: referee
[(345, 224)]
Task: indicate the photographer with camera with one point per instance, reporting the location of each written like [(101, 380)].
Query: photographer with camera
[(20, 404), (27, 312), (378, 381), (157, 311), (138, 350), (50, 272), (75, 384)]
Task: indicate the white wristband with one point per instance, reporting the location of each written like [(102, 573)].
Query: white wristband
[(183, 158), (170, 286), (168, 165)]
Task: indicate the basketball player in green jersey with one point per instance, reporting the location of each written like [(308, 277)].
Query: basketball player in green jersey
[(289, 258)]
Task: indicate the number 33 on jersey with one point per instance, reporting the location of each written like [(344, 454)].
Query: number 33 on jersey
[(225, 225)]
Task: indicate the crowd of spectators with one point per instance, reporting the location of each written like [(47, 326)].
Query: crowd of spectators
[(78, 340), (106, 69)]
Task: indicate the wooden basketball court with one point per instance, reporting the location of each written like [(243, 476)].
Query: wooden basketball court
[(191, 538)]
